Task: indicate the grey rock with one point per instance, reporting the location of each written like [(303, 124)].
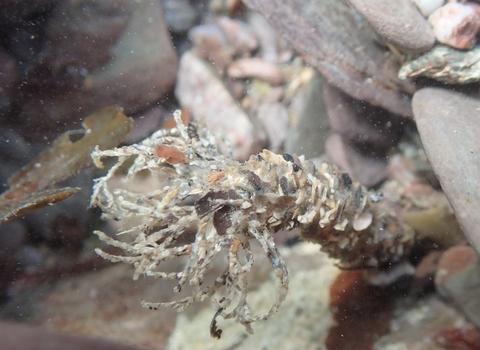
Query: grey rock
[(359, 122), (179, 14), (104, 303), (310, 126), (365, 167), (274, 118), (448, 123), (398, 22)]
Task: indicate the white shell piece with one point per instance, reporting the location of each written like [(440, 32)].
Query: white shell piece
[(362, 221)]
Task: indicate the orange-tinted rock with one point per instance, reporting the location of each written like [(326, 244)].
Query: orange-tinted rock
[(362, 312)]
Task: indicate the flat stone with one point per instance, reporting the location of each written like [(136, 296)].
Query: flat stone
[(398, 22), (201, 91), (449, 125)]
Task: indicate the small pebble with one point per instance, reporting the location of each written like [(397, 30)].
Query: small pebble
[(426, 7), (179, 15), (256, 68), (456, 25), (239, 34), (210, 43)]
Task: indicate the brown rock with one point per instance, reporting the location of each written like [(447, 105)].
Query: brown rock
[(458, 278), (398, 22), (201, 90), (459, 337), (98, 54), (449, 128), (342, 48)]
